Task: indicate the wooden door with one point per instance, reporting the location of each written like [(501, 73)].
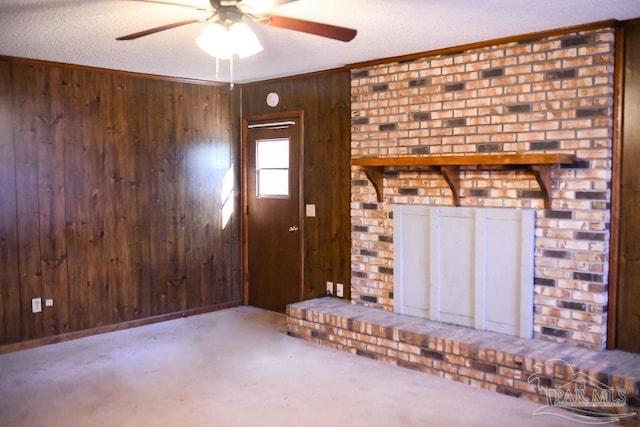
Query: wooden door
[(273, 217), (627, 331)]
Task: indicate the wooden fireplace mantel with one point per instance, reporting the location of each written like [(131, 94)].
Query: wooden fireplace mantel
[(449, 167)]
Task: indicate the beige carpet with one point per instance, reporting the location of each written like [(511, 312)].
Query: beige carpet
[(233, 368)]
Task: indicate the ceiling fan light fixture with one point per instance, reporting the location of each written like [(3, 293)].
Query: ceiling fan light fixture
[(244, 41), (215, 41), (223, 43)]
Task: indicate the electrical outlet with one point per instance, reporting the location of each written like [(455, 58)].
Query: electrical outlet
[(48, 302), (330, 287), (339, 290), (36, 305)]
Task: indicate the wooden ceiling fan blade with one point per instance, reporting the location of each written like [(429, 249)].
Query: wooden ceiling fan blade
[(317, 28), (157, 29), (190, 6)]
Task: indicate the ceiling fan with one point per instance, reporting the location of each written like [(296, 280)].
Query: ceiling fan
[(228, 12), (227, 35)]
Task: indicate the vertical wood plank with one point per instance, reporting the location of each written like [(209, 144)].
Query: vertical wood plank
[(157, 237), (51, 199), (97, 305), (628, 291), (222, 233), (339, 113), (233, 138), (26, 153), (316, 153), (137, 180), (198, 191), (195, 158), (122, 296), (174, 185), (78, 172), (109, 184), (10, 326)]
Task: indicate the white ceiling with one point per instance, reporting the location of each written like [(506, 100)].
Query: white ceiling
[(84, 31)]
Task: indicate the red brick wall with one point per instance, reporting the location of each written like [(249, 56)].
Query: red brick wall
[(552, 94)]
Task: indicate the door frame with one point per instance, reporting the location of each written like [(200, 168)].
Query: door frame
[(297, 116)]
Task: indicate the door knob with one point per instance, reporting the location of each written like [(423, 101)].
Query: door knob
[(293, 228)]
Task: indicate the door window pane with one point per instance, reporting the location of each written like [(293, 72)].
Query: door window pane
[(272, 167), (273, 182), (273, 154)]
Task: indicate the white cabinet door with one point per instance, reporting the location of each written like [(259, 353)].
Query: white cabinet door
[(467, 266)]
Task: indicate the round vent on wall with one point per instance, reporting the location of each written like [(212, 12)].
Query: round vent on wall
[(273, 99)]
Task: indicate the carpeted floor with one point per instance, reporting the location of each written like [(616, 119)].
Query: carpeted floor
[(235, 367)]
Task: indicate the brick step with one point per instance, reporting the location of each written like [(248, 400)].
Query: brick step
[(525, 368)]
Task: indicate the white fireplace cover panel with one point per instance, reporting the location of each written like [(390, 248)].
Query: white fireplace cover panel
[(467, 266)]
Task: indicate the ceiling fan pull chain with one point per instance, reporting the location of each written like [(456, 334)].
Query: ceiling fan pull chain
[(231, 71), (217, 68)]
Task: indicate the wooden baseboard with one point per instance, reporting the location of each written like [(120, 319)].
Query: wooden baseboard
[(10, 348)]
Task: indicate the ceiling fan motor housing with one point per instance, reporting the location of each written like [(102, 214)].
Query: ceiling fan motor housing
[(226, 12)]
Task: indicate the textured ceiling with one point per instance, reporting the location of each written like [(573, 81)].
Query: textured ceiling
[(84, 31)]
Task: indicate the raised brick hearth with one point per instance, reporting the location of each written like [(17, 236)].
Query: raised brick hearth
[(488, 360)]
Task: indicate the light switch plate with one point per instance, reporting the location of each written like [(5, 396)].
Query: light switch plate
[(36, 305), (311, 210)]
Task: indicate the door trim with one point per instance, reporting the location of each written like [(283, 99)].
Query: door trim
[(297, 116)]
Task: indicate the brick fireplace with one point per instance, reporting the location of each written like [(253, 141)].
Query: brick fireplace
[(551, 94), (546, 95)]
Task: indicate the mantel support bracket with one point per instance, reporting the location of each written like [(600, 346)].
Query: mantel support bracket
[(543, 176), (451, 174), (376, 176), (449, 168)]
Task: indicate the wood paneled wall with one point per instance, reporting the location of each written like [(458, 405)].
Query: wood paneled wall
[(627, 303), (111, 198), (325, 100)]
